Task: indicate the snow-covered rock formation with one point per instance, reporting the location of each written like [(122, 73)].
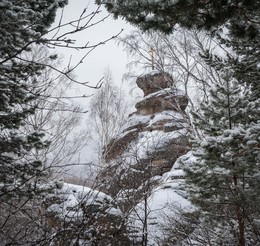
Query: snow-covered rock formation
[(79, 215), (161, 111), (142, 171), (151, 141)]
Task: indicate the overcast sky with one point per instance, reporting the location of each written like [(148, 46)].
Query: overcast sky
[(108, 55)]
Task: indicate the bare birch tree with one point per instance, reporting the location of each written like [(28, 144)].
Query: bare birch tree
[(57, 115), (108, 113)]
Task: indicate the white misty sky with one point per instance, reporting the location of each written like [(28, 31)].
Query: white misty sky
[(108, 55)]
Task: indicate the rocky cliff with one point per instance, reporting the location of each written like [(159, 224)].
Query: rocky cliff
[(151, 141)]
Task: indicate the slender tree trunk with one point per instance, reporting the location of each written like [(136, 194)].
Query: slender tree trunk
[(241, 226), (240, 218), (239, 214), (144, 237)]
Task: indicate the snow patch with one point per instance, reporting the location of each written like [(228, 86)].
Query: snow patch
[(167, 200), (71, 197)]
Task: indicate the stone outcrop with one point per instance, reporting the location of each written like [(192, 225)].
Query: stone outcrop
[(162, 109), (151, 141)]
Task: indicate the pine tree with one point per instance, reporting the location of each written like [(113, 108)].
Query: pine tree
[(245, 43), (163, 15), (224, 180), (22, 23)]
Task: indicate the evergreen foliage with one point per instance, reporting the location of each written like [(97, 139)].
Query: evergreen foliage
[(163, 15), (224, 180), (21, 24), (246, 63)]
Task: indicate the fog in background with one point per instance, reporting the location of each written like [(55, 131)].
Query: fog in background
[(106, 56)]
